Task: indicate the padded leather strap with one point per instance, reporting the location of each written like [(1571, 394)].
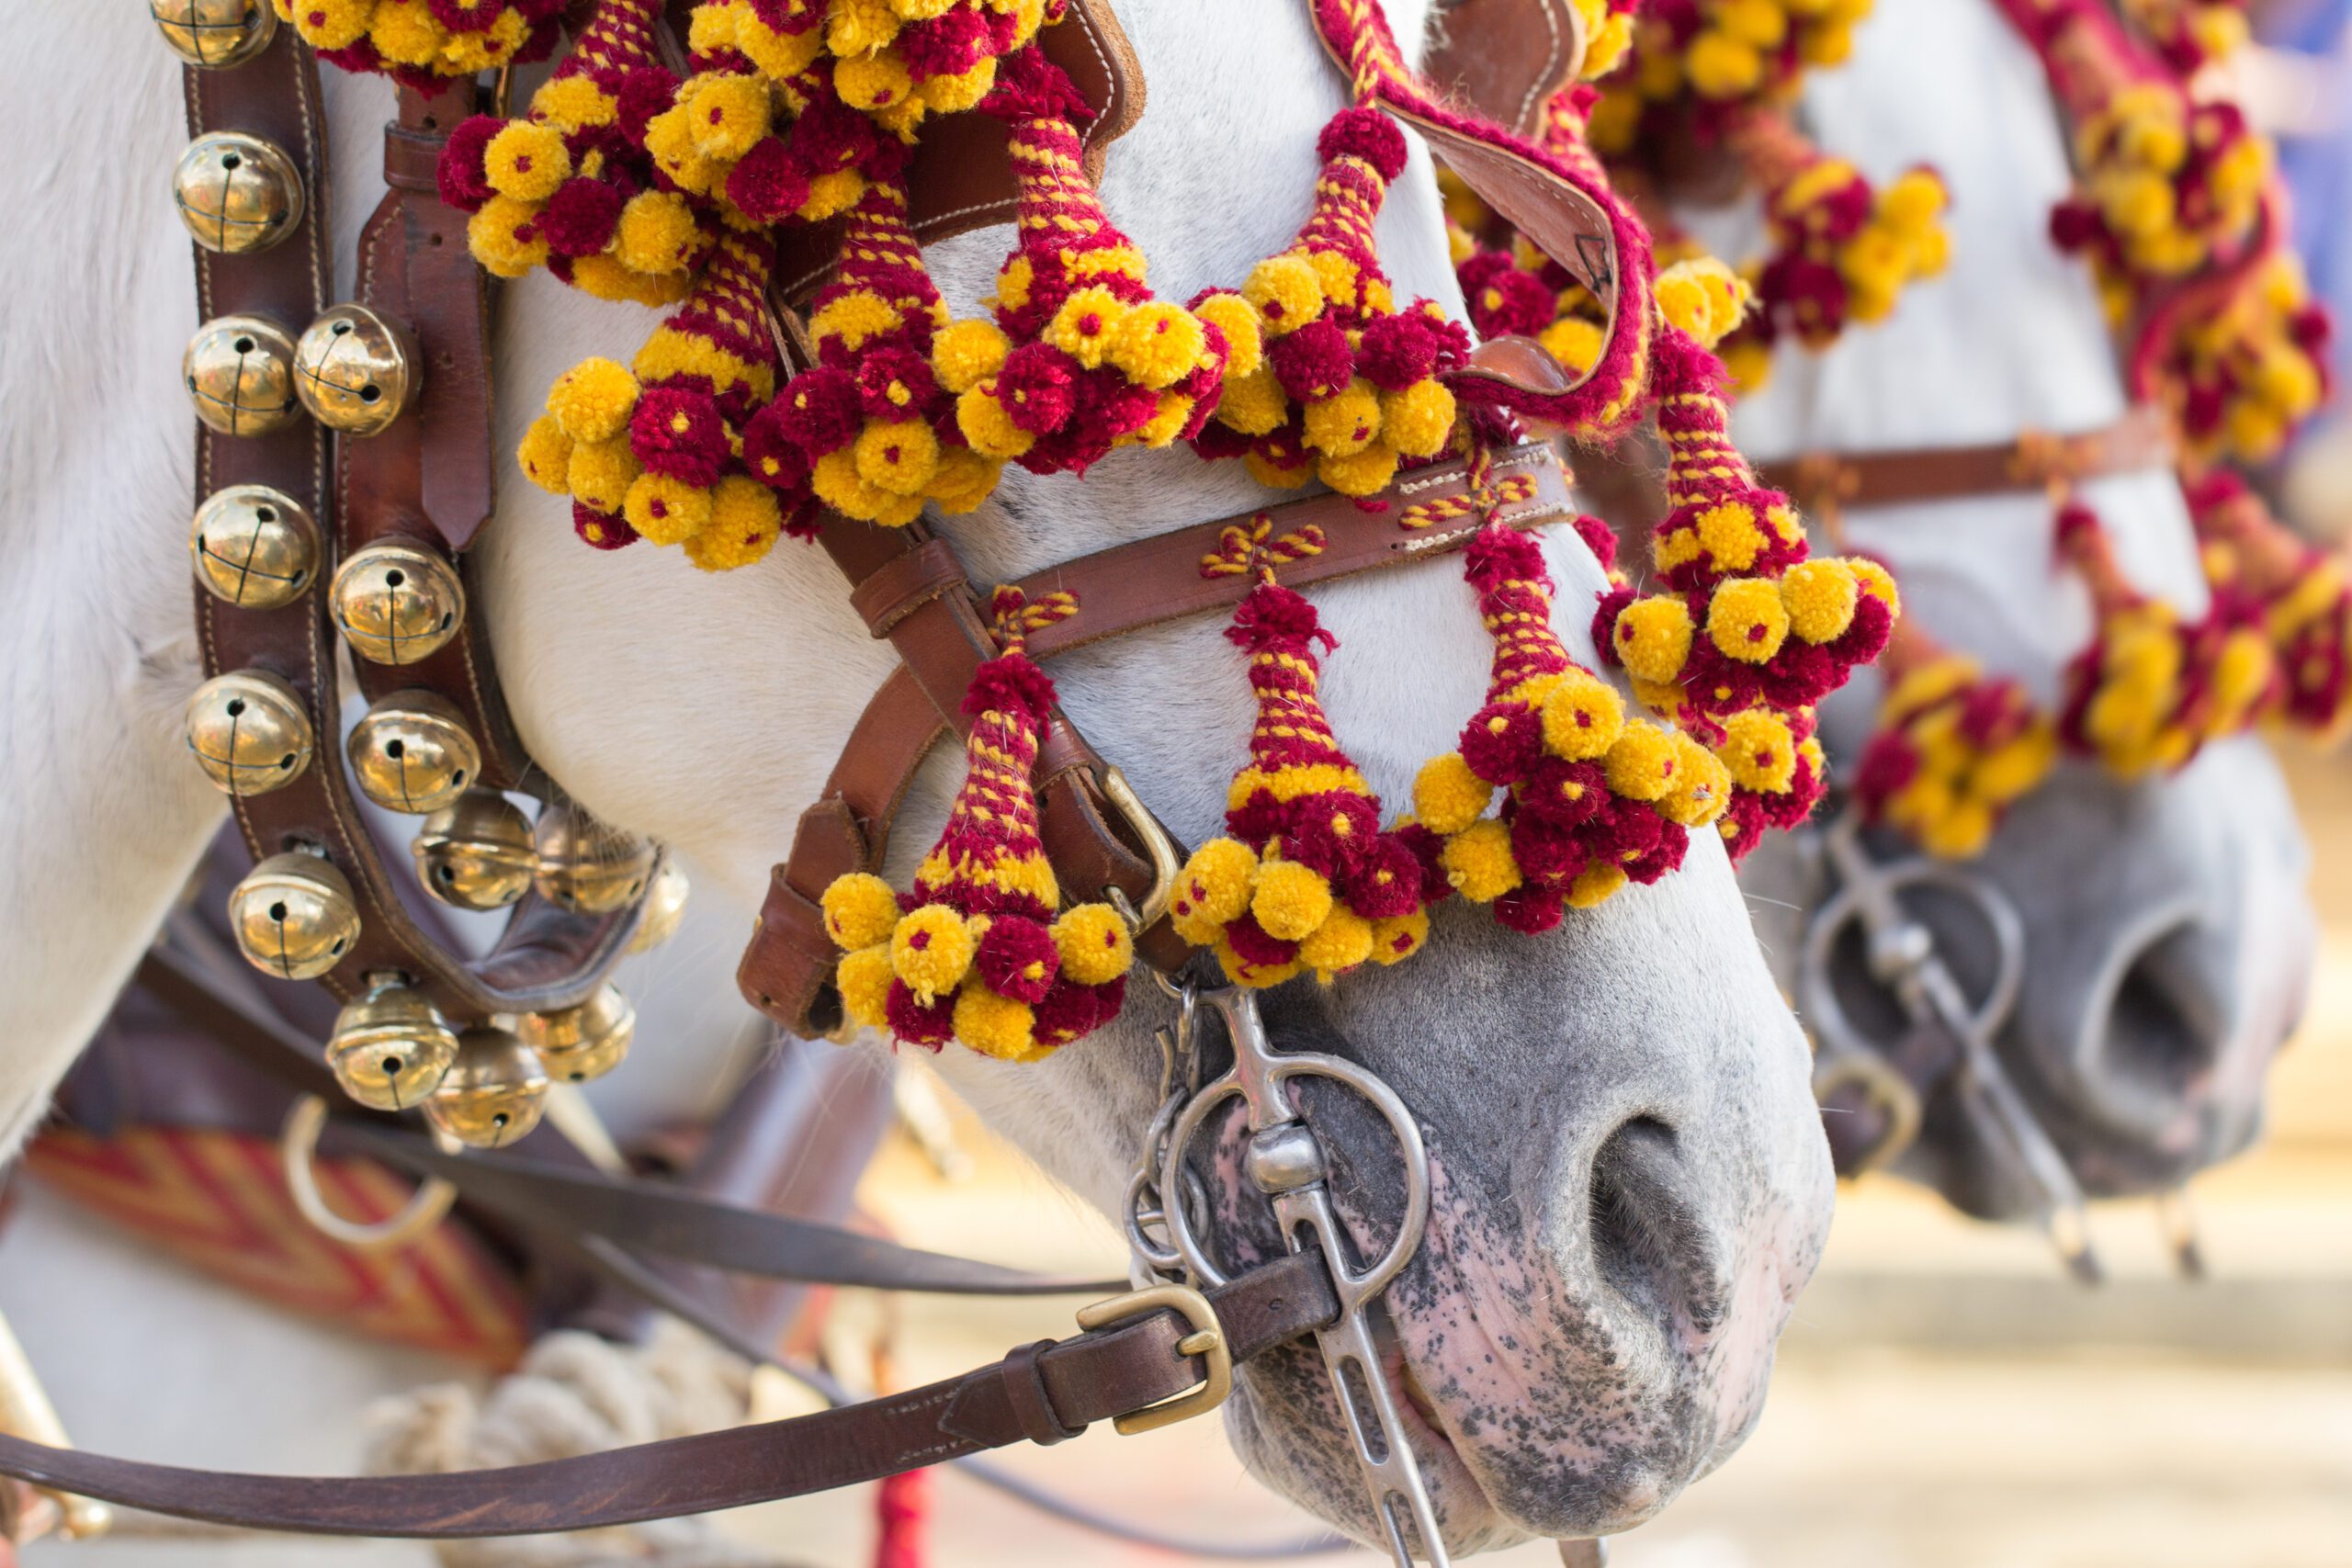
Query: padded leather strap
[(1825, 482)]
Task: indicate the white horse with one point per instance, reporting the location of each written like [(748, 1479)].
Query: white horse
[(2168, 935), (1631, 1185)]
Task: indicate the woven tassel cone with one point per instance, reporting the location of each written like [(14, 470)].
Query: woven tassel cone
[(1953, 750), (870, 423), (976, 952), (570, 186), (2151, 688), (1081, 357), (1326, 377), (1590, 800), (1308, 881), (663, 452)]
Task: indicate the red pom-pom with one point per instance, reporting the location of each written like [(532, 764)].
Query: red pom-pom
[(1503, 741), (1018, 959), (1662, 857), (1545, 854), (770, 454), (601, 530), (581, 216), (1423, 844), (1498, 554), (820, 407), (1597, 537), (1562, 793), (676, 431), (1011, 683), (463, 181), (1386, 881), (947, 45), (463, 16), (1273, 615), (895, 383), (1528, 910), (1254, 946), (768, 182), (640, 95), (916, 1024), (1069, 1012), (1604, 622), (1365, 133), (1398, 351), (1330, 832), (1030, 86), (1313, 361), (1035, 388)]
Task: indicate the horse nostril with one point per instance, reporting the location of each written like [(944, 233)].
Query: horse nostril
[(1645, 1242), (2162, 1026)]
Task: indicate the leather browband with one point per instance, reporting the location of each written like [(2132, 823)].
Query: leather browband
[(910, 588), (1828, 483)]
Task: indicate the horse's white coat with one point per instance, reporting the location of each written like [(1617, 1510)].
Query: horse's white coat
[(1649, 1273), (2169, 935)]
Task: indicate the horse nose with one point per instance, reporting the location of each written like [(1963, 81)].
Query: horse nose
[(1655, 1240), (2157, 1019)]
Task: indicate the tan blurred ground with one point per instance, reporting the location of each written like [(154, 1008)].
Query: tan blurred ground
[(1944, 1400)]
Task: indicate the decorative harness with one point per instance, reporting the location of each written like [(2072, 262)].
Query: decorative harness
[(629, 181)]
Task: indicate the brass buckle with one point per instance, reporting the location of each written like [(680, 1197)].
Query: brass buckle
[(1884, 1089), (1205, 1340), (1167, 865)]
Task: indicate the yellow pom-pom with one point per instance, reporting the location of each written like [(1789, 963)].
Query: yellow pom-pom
[(1642, 765), (1273, 475), (1234, 317), (712, 27), (968, 352), (1820, 596), (1094, 944), (656, 233), (1418, 420), (779, 56), (1701, 787), (863, 980), (1912, 202), (1448, 797), (833, 193), (1286, 291), (994, 1025), (1759, 751), (860, 27), (727, 113), (406, 34), (745, 520), (1703, 298), (898, 457), (592, 400), (859, 910), (1157, 344), (1088, 325), (1872, 578), (1253, 405), (1747, 620), (1583, 717), (838, 484), (1479, 863), (1241, 972), (546, 456), (963, 480), (1399, 936), (1722, 66), (931, 950), (1594, 884), (1363, 473), (1213, 890), (526, 161), (574, 103), (1731, 534), (1340, 943), (1574, 342), (1759, 22), (1652, 638), (497, 237), (1345, 422), (981, 416), (600, 472), (874, 81), (333, 24), (854, 317), (666, 510), (1289, 899), (954, 94)]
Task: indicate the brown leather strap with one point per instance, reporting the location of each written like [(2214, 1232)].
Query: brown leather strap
[(1827, 482), (1077, 1382), (961, 177), (1503, 60)]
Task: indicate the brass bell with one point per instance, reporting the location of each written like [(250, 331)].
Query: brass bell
[(587, 1041), (294, 915), (249, 731), (355, 370), (495, 1091), (255, 548), (391, 1047), (214, 32), (587, 867), (665, 906), (237, 194), (397, 603), (240, 374), (475, 852), (413, 753)]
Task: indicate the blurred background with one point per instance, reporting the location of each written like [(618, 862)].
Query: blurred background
[(1946, 1398)]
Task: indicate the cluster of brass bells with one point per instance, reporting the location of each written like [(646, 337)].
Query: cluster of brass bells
[(485, 1085), (354, 369), (214, 34)]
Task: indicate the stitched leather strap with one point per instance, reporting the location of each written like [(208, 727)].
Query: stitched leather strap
[(1504, 58), (1825, 482)]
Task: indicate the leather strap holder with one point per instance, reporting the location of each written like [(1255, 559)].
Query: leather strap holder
[(1827, 482), (425, 478)]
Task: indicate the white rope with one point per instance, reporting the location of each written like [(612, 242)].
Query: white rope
[(575, 1393)]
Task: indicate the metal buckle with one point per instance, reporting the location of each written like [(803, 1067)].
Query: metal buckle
[(1206, 1340), (1882, 1089), (1159, 845), (298, 1146)]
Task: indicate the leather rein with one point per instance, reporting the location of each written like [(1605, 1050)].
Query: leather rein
[(1160, 1353)]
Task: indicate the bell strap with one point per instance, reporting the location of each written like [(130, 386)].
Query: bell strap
[(1041, 1393), (1829, 482), (917, 595), (1505, 58)]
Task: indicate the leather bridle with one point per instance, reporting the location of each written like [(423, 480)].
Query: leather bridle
[(1162, 1351)]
